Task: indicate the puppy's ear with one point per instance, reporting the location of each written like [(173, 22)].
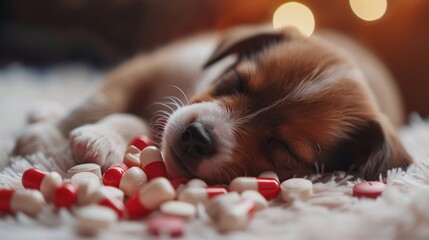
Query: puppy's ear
[(245, 40), (371, 150)]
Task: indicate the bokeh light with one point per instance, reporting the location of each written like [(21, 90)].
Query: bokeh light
[(369, 10), (294, 14)]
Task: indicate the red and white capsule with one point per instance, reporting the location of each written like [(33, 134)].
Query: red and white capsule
[(141, 142), (29, 202), (104, 197), (152, 163), (132, 181), (267, 187), (65, 196), (113, 175), (237, 217), (195, 195), (269, 174), (131, 156), (45, 182), (150, 198)]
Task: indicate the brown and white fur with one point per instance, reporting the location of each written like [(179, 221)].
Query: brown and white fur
[(251, 99)]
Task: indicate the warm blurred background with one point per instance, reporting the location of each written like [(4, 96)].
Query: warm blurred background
[(102, 33)]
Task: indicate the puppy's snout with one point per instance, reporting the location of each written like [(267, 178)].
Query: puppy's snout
[(196, 141)]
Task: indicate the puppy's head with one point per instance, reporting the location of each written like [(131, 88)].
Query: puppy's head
[(289, 104)]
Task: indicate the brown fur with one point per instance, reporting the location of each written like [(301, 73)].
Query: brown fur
[(306, 103)]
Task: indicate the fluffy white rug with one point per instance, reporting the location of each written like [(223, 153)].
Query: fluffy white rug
[(401, 212)]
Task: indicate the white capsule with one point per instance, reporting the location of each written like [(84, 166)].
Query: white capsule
[(79, 178), (86, 167), (156, 192), (113, 192), (269, 174), (86, 189), (196, 183), (221, 203), (131, 157), (92, 218), (260, 201), (179, 209), (237, 217), (27, 201), (296, 188), (132, 181)]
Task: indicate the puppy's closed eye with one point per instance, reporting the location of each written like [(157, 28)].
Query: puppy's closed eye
[(230, 83), (279, 153)]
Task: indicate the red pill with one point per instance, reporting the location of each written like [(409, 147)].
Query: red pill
[(368, 189), (113, 175), (44, 182), (267, 187), (152, 163), (166, 226), (65, 196), (141, 142)]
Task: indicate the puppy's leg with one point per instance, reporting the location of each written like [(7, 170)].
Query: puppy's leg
[(105, 142)]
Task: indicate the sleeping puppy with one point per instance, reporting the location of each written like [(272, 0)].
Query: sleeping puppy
[(248, 100)]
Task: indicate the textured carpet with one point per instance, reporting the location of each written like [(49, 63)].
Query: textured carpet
[(402, 211)]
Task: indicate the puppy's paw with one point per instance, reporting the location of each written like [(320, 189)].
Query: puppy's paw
[(97, 144), (40, 137)]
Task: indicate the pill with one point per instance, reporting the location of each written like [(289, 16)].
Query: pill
[(131, 157), (113, 175), (46, 183), (179, 209), (141, 142), (81, 177), (237, 217), (221, 203), (86, 167), (132, 181), (92, 218), (368, 189), (296, 188), (166, 226), (27, 201), (104, 197), (150, 197), (269, 188), (152, 163), (269, 174), (86, 189), (258, 199), (114, 192), (196, 183), (65, 196), (195, 195)]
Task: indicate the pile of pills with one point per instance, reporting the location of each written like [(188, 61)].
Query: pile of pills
[(139, 187)]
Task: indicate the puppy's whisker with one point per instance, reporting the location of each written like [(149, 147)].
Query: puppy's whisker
[(182, 92), (176, 100)]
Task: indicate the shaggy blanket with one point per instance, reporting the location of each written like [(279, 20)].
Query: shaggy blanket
[(332, 212)]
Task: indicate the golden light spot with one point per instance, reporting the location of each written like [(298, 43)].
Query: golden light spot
[(369, 10), (296, 15)]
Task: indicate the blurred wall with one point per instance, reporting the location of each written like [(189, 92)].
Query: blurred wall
[(105, 32)]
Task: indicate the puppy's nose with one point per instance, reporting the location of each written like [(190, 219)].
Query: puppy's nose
[(196, 141)]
